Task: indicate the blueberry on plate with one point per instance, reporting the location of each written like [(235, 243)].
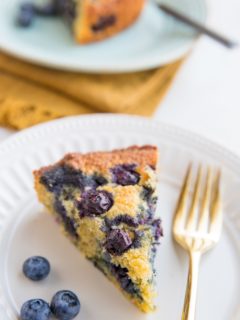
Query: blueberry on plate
[(47, 10), (35, 309), (36, 268), (65, 305), (25, 15)]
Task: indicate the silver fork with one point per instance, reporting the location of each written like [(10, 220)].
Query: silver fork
[(198, 228)]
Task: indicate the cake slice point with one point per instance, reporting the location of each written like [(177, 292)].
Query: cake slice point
[(105, 203)]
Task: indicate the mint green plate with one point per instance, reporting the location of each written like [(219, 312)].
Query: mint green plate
[(154, 40)]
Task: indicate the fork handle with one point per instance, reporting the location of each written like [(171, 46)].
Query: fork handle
[(191, 290)]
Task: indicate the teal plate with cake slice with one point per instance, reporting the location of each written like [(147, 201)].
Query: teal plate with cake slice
[(155, 39)]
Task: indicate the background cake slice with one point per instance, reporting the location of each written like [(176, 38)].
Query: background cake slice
[(94, 20), (105, 202)]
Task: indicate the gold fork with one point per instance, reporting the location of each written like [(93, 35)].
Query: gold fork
[(198, 228)]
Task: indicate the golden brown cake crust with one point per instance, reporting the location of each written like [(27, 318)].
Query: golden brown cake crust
[(102, 161), (125, 12)]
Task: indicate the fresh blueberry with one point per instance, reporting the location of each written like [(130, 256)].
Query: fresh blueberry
[(36, 268), (67, 9), (125, 175), (95, 202), (26, 15), (27, 6), (48, 10), (65, 305), (35, 309), (118, 241)]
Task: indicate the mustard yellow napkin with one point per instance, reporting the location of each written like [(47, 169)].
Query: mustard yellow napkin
[(31, 94)]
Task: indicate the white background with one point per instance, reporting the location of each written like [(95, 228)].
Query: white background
[(205, 97)]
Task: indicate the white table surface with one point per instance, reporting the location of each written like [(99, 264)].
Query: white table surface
[(205, 98)]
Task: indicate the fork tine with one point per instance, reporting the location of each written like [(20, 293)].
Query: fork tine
[(182, 201), (193, 208), (204, 210), (216, 212)]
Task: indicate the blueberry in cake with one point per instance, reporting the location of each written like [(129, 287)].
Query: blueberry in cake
[(90, 20), (105, 203)]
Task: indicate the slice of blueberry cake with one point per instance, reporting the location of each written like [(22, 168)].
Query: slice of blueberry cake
[(90, 20), (105, 202), (93, 20)]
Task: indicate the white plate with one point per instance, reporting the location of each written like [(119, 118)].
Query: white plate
[(26, 229), (154, 40)]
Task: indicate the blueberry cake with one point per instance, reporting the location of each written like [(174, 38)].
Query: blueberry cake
[(105, 203), (98, 19), (90, 20)]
